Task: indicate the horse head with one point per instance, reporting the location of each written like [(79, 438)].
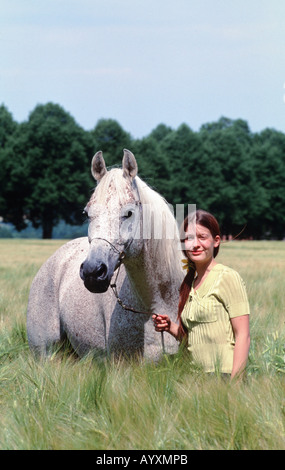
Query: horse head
[(114, 214)]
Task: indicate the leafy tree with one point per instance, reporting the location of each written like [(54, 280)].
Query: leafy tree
[(160, 132), (223, 168), (8, 128), (152, 164), (269, 167), (47, 163), (111, 138), (237, 197), (220, 125), (182, 149)]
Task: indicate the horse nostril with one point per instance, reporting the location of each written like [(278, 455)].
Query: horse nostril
[(95, 272), (101, 271)]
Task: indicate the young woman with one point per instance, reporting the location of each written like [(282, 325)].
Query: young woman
[(213, 311)]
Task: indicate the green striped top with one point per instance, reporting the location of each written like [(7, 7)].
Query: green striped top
[(207, 314)]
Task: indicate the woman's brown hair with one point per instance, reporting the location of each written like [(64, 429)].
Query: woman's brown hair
[(210, 222)]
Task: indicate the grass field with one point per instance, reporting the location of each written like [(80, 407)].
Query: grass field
[(67, 403)]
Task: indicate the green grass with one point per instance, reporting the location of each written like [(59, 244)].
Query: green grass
[(68, 403)]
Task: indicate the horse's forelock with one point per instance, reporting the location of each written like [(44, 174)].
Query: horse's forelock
[(113, 186)]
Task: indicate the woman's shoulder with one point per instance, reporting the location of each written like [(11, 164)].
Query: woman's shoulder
[(219, 267), (227, 273), (232, 290)]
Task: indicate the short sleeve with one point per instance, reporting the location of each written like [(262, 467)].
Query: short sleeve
[(233, 294)]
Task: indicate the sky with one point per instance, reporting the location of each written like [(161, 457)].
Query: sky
[(145, 62)]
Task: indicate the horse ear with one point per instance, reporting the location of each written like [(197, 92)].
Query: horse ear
[(130, 167), (98, 167)]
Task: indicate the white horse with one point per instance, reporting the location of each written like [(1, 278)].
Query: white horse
[(70, 295)]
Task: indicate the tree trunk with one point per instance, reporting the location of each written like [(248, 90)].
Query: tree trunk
[(47, 228)]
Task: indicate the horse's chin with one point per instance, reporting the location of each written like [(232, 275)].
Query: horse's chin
[(96, 287)]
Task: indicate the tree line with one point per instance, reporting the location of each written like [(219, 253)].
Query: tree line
[(223, 168)]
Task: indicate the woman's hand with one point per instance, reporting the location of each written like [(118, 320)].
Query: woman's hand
[(161, 322)]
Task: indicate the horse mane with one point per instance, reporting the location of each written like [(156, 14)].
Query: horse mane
[(167, 248)]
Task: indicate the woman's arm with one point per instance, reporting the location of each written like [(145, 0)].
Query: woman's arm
[(240, 327)]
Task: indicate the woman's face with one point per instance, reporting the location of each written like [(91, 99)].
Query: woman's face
[(200, 244)]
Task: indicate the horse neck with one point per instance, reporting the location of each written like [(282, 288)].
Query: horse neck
[(156, 274), (156, 279)]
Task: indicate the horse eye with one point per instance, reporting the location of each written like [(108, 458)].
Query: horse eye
[(85, 214), (128, 215)]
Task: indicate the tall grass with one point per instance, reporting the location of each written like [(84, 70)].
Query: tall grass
[(71, 403)]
